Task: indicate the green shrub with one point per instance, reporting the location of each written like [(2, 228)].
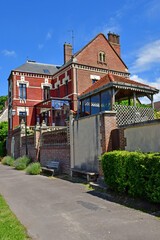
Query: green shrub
[(20, 166), (135, 173), (21, 163), (10, 161), (5, 161), (34, 168)]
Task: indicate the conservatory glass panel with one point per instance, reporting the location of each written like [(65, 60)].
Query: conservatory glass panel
[(87, 106), (106, 101), (95, 104)]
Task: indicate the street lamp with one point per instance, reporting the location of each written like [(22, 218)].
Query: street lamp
[(14, 113)]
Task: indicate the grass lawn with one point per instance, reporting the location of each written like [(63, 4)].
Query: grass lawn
[(10, 227)]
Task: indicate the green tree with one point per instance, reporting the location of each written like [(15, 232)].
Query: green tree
[(2, 101), (3, 136)]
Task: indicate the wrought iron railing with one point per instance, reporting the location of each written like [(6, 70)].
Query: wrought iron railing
[(129, 114)]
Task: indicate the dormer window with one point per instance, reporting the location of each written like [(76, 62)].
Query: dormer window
[(46, 71), (101, 57)]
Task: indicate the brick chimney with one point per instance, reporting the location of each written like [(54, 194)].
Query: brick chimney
[(67, 52), (114, 41)]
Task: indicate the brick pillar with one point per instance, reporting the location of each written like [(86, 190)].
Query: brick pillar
[(37, 134), (108, 123), (22, 133), (43, 129), (122, 139)]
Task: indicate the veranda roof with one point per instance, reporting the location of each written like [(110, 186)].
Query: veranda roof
[(112, 80)]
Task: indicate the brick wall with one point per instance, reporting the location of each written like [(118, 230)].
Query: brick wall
[(58, 154), (32, 152), (55, 147), (43, 146), (84, 79), (89, 55)]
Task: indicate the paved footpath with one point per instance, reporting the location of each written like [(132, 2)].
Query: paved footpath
[(54, 209)]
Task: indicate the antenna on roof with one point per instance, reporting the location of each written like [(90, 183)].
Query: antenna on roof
[(72, 31)]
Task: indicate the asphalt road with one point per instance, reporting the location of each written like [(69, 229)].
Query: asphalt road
[(55, 209)]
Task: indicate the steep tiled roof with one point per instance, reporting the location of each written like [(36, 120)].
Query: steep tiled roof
[(110, 78), (41, 68)]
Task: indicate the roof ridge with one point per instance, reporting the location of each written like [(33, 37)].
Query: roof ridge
[(43, 64), (110, 77)]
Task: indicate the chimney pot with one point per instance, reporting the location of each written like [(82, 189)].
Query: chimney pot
[(114, 41), (67, 52)]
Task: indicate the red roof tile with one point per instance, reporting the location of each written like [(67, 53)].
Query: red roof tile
[(108, 78)]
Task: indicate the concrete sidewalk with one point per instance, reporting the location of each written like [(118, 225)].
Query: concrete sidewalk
[(60, 210)]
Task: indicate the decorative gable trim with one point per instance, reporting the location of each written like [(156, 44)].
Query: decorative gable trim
[(22, 81), (66, 78), (22, 109), (46, 84), (57, 83), (95, 77)]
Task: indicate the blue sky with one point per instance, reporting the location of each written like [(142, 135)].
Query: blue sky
[(38, 29)]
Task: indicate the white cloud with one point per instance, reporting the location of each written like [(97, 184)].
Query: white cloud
[(49, 35), (147, 57), (155, 84), (111, 26), (40, 46), (8, 53)]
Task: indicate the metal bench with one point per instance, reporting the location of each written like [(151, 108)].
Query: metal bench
[(91, 176), (51, 166)]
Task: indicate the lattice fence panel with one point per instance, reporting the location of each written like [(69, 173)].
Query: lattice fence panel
[(130, 114)]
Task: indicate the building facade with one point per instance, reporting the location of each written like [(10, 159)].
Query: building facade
[(40, 92)]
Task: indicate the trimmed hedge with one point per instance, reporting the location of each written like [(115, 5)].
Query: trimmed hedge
[(134, 173), (21, 163), (34, 168)]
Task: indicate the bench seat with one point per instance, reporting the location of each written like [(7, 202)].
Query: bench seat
[(52, 167), (91, 176)]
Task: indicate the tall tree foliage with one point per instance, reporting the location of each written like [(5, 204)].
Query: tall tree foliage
[(3, 136), (2, 101)]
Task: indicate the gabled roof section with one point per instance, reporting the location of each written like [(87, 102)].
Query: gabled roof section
[(39, 68), (76, 54), (113, 80)]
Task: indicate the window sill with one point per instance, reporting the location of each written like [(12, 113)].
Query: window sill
[(102, 63)]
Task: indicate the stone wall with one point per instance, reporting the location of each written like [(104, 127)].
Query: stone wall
[(42, 146), (143, 136)]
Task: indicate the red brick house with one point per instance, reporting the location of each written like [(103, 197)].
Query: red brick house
[(47, 92)]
